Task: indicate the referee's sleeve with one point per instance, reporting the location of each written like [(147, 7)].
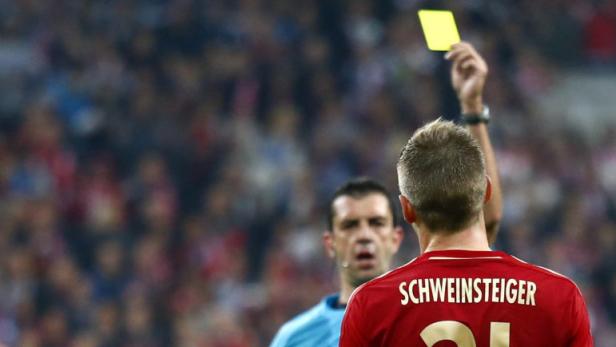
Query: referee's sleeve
[(282, 338)]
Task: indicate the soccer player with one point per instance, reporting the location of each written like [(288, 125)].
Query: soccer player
[(459, 290), (363, 235)]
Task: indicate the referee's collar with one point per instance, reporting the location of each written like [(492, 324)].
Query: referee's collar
[(331, 302)]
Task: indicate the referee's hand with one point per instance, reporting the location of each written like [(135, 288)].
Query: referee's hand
[(468, 76)]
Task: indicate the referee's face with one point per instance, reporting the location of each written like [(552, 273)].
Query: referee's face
[(364, 237)]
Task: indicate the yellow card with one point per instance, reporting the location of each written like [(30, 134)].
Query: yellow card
[(439, 28)]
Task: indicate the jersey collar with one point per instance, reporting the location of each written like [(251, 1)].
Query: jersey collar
[(331, 302), (462, 254)]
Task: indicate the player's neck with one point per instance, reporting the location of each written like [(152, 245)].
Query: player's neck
[(472, 238)]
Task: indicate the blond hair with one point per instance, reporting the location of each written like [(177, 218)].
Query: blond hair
[(441, 171)]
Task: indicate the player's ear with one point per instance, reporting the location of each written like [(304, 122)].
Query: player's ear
[(488, 195), (408, 211), (328, 243)]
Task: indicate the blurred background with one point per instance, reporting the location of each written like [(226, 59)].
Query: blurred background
[(165, 165)]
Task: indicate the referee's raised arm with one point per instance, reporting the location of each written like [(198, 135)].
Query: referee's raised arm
[(468, 76)]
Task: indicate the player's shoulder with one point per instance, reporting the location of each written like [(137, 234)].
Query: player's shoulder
[(312, 322), (543, 273)]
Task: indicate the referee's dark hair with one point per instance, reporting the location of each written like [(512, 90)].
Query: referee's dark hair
[(358, 188)]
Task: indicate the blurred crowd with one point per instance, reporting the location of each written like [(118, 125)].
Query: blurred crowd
[(165, 165)]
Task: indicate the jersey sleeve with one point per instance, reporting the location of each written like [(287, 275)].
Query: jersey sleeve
[(351, 332), (580, 323)]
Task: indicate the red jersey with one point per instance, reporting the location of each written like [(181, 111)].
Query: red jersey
[(468, 299)]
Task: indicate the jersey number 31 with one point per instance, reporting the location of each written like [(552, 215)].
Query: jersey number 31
[(461, 334)]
